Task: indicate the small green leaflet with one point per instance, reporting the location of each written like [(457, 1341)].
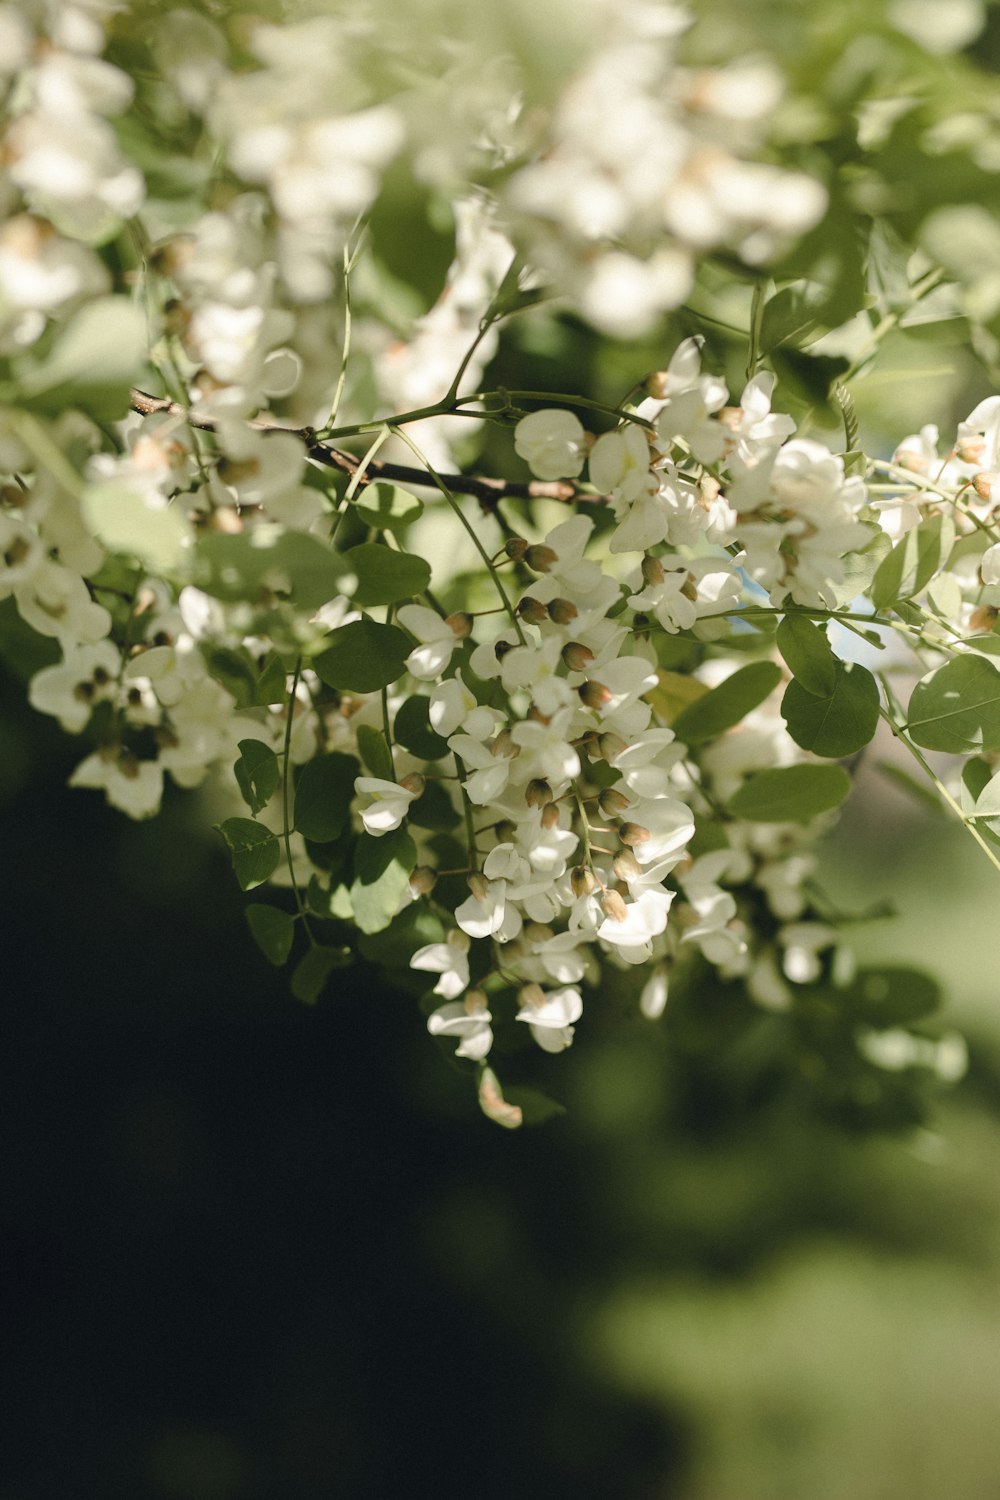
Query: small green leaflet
[(96, 357), (120, 517), (790, 794), (257, 774), (323, 795), (385, 576), (840, 724), (375, 752), (255, 851), (363, 656), (723, 706), (387, 506), (382, 869), (265, 561), (314, 969), (957, 707), (913, 561), (272, 930), (413, 730), (808, 654)]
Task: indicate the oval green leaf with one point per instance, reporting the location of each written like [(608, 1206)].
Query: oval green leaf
[(254, 849), (808, 654), (388, 507), (363, 656), (790, 794), (957, 707), (385, 576), (272, 930), (840, 724), (323, 795), (257, 774), (728, 703)]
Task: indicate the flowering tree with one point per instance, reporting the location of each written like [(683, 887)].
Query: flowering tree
[(431, 434)]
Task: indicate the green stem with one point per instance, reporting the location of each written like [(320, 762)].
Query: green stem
[(286, 822), (473, 533), (757, 306)]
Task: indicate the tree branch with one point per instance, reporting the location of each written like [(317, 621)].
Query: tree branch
[(488, 492)]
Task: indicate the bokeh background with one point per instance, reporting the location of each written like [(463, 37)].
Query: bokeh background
[(255, 1251)]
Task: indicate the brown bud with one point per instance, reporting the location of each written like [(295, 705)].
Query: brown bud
[(593, 694), (532, 610), (225, 520), (652, 570), (983, 483), (530, 996), (460, 624), (504, 746), (414, 783), (657, 383), (611, 744), (477, 885), (562, 611), (983, 619), (731, 417), (423, 880), (474, 1002), (537, 792), (541, 558), (516, 547), (576, 656), (501, 648), (550, 815), (506, 831), (689, 589), (612, 802), (972, 448), (626, 866), (634, 833), (536, 716), (582, 880), (614, 906), (538, 932)]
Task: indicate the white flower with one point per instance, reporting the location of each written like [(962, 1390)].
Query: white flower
[(436, 637), (470, 1021), (551, 1017), (551, 442), (133, 786), (645, 919), (70, 690), (388, 806), (450, 960)]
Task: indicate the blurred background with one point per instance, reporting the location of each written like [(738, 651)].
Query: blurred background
[(257, 1251)]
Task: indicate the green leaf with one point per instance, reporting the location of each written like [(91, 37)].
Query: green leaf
[(323, 795), (891, 996), (375, 752), (270, 684), (234, 668), (272, 930), (255, 850), (840, 724), (913, 561), (382, 868), (385, 576), (413, 731), (727, 704), (988, 801), (808, 654), (788, 316), (957, 707), (314, 969), (96, 358), (363, 656), (393, 947), (388, 507), (859, 568), (790, 794), (121, 519), (257, 774), (269, 560), (434, 809)]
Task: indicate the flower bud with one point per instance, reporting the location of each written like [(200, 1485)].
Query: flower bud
[(983, 619), (562, 611), (656, 384), (504, 746), (225, 520), (516, 547), (634, 833), (577, 656), (689, 589), (612, 802), (582, 881), (625, 866), (531, 996), (593, 694), (501, 648), (414, 783), (971, 449), (475, 1002), (477, 885), (423, 880), (611, 744), (506, 831), (538, 932), (460, 624), (613, 906), (983, 483), (537, 792), (550, 815), (541, 558), (652, 570), (532, 610)]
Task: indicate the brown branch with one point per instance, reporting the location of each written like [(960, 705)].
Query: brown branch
[(487, 491)]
